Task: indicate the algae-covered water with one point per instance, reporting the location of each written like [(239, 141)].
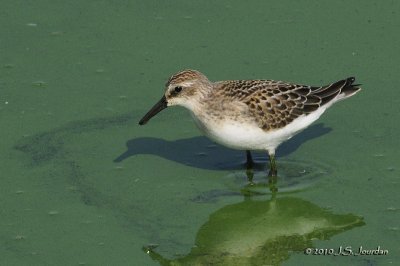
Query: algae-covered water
[(81, 183)]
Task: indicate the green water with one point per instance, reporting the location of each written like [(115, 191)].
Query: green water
[(82, 184)]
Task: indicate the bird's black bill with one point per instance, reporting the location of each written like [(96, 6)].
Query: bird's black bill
[(158, 107)]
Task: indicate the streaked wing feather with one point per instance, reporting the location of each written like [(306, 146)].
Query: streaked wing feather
[(275, 104)]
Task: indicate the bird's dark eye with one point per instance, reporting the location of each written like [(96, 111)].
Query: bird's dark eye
[(178, 89)]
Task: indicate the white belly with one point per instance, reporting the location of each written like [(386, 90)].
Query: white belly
[(248, 136)]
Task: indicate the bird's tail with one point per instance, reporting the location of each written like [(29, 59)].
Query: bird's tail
[(349, 89), (336, 91)]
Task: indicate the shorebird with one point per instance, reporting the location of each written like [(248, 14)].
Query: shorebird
[(250, 114)]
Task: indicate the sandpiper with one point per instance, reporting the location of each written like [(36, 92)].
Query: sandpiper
[(250, 114)]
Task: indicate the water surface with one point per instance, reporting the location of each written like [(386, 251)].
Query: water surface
[(82, 184)]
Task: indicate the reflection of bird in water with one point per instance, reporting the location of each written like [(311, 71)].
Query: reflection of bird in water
[(261, 233)]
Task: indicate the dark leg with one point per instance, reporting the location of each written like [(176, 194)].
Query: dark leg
[(249, 167), (249, 160), (272, 175), (272, 184), (272, 166)]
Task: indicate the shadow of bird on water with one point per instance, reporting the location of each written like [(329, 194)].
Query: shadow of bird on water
[(200, 152)]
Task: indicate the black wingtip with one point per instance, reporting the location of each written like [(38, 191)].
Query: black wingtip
[(350, 81)]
